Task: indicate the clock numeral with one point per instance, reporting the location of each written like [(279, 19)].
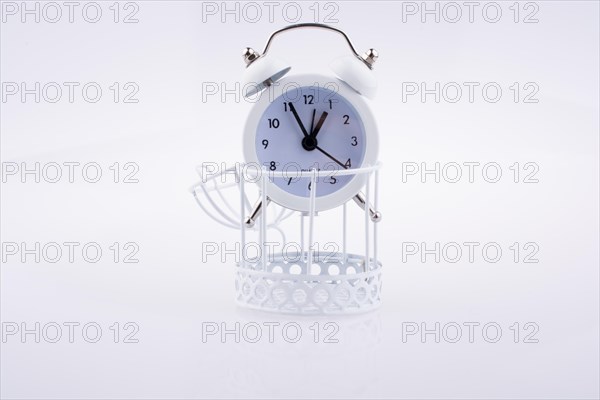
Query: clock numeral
[(273, 123), (285, 106), (348, 164), (289, 181), (346, 119), (273, 166), (330, 104), (309, 184), (265, 143), (353, 143), (332, 180), (309, 99)]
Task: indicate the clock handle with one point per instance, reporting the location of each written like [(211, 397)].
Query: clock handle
[(368, 58), (362, 203), (256, 211)]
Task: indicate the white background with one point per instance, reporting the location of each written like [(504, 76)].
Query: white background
[(171, 53)]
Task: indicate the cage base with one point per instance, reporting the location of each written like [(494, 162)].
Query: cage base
[(333, 283)]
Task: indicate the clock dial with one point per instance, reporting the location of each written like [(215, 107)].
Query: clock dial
[(310, 128)]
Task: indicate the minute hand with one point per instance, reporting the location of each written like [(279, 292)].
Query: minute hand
[(293, 109)]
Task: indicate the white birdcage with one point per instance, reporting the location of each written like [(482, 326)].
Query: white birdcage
[(308, 280)]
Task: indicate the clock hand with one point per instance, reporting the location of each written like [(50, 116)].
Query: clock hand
[(293, 109), (312, 122), (359, 198), (319, 124), (330, 156)]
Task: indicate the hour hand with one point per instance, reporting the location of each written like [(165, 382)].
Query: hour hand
[(319, 124), (293, 110)]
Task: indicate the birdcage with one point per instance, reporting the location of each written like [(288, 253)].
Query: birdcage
[(299, 279)]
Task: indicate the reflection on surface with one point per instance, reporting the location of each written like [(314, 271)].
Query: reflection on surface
[(303, 356)]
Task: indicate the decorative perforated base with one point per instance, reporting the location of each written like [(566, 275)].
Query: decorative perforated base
[(332, 287)]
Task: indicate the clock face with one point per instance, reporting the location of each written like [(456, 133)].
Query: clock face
[(311, 127)]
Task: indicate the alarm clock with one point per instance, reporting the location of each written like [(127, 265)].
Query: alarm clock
[(311, 122)]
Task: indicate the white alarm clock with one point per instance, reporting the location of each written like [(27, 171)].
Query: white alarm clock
[(311, 122)]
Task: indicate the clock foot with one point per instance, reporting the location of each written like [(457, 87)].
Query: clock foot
[(362, 203), (256, 211)]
